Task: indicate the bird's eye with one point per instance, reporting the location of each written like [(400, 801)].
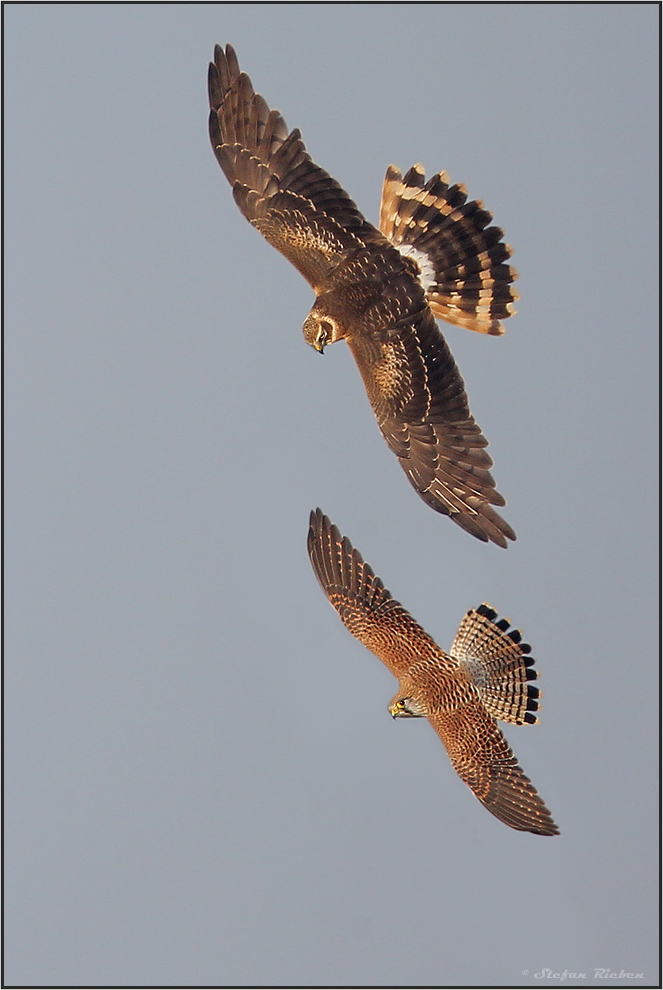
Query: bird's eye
[(326, 326), (401, 703)]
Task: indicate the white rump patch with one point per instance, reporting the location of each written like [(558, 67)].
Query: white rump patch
[(426, 276)]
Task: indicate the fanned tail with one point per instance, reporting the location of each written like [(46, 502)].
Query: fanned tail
[(500, 665), (459, 259)]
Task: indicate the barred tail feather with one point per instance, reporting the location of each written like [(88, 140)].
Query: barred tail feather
[(458, 258), (499, 664)]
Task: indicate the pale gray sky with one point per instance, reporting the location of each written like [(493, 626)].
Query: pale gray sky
[(203, 783)]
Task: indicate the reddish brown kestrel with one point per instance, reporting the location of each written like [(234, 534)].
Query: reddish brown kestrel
[(485, 676)]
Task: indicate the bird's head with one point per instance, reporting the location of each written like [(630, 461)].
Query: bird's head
[(401, 707), (321, 329)]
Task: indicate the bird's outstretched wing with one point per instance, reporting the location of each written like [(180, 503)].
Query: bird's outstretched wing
[(461, 258), (300, 209), (365, 606), (419, 399), (482, 758)]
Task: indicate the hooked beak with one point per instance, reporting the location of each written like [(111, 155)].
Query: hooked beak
[(320, 348)]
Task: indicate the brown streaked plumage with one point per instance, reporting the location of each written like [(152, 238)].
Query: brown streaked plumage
[(380, 290), (485, 676)]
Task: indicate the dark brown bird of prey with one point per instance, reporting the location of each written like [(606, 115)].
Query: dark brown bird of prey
[(380, 290), (485, 676)]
